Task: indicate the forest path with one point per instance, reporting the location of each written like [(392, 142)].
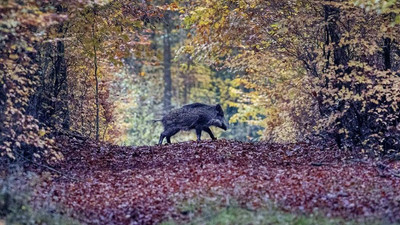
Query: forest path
[(144, 185)]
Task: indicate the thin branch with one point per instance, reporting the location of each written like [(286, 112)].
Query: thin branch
[(47, 167)]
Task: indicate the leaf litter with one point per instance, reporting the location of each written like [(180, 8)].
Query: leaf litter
[(146, 185)]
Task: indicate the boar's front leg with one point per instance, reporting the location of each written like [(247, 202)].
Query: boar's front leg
[(208, 130), (198, 133)]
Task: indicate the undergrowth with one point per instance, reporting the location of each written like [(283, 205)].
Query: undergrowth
[(196, 211), (17, 207)]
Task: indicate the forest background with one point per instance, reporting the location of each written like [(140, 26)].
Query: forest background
[(311, 89), (284, 71)]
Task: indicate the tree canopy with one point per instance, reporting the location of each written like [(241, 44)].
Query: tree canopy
[(284, 71)]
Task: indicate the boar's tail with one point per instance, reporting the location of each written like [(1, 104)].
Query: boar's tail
[(159, 120)]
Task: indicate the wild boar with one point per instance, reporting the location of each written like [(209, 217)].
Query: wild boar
[(196, 116)]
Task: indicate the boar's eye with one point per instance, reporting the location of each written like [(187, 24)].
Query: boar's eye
[(220, 118)]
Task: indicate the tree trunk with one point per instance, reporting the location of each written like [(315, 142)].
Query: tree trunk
[(96, 73), (186, 81), (96, 93), (49, 103), (167, 61), (340, 56), (386, 53)]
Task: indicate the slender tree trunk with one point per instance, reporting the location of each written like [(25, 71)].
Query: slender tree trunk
[(97, 92), (387, 42), (387, 45), (186, 82), (340, 56), (96, 74), (105, 131), (60, 86), (185, 92), (167, 62)]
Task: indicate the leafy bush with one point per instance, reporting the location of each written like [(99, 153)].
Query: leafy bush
[(19, 131), (319, 68), (361, 108)]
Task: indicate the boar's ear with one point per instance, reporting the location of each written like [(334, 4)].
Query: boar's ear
[(219, 109)]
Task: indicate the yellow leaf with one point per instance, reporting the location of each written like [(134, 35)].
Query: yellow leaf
[(9, 154), (13, 56), (42, 133)]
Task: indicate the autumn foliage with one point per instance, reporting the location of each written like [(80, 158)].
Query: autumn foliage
[(56, 76), (18, 76), (288, 71), (325, 68)]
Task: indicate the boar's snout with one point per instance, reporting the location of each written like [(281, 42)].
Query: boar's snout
[(224, 125)]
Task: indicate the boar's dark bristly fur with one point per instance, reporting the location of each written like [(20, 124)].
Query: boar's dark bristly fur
[(196, 116)]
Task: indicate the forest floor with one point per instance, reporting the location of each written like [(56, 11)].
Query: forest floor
[(151, 184)]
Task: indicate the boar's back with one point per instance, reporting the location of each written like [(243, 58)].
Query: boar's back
[(180, 118)]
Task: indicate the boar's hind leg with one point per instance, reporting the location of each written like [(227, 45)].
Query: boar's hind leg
[(208, 130)]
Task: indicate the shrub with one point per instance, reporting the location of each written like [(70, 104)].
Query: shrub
[(16, 206)]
